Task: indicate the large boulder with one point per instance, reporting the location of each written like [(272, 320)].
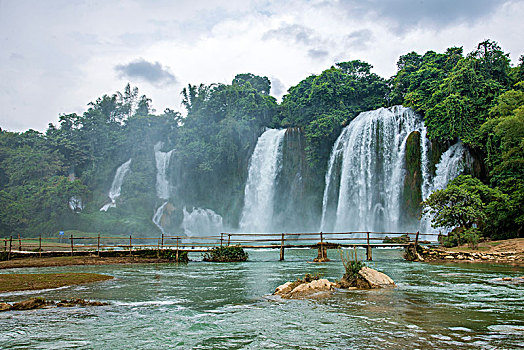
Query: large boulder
[(367, 278), (291, 290)]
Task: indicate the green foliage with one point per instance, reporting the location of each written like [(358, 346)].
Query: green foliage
[(460, 236), (467, 203), (171, 254), (351, 265), (231, 253), (397, 239)]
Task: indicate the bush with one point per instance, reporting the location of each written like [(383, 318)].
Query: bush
[(461, 236), (352, 265), (226, 254), (170, 254)]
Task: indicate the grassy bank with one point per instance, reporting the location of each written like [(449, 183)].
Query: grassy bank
[(33, 281)]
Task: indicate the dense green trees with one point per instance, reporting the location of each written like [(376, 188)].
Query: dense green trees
[(477, 98)]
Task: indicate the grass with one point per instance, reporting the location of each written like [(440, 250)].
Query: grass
[(33, 281)]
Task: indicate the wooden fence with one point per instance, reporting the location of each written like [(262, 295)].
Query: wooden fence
[(95, 245)]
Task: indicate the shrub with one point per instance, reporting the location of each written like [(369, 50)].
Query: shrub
[(352, 265), (226, 254)]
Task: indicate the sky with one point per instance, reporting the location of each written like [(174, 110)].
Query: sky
[(56, 56)]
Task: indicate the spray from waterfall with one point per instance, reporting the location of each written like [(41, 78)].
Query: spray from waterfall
[(201, 221), (264, 166), (116, 186), (162, 163)]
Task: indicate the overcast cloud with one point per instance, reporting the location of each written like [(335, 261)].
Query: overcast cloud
[(58, 55), (143, 70)]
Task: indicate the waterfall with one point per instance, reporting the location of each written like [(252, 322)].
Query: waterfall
[(264, 166), (204, 222), (162, 163), (450, 165), (157, 217), (116, 186), (366, 170)]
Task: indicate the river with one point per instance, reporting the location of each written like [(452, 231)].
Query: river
[(229, 306)]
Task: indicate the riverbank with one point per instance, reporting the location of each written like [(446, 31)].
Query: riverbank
[(510, 251), (33, 281), (78, 260)]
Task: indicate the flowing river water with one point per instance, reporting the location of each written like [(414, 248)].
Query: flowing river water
[(229, 306)]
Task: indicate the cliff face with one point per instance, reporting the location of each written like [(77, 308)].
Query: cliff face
[(297, 207), (412, 194)]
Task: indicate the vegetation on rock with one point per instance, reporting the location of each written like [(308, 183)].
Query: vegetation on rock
[(231, 253)]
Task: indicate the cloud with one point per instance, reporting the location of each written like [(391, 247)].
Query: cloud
[(359, 39), (406, 14), (153, 73), (317, 54), (295, 32)]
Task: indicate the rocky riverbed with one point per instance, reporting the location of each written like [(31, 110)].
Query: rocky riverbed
[(501, 252)]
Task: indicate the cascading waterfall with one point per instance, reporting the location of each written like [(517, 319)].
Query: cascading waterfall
[(116, 186), (451, 164), (201, 221), (367, 166), (162, 183), (157, 217), (162, 163), (259, 192)]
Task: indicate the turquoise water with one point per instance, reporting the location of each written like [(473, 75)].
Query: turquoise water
[(229, 306)]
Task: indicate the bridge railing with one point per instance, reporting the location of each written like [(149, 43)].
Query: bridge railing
[(97, 243)]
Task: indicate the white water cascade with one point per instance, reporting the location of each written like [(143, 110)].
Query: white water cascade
[(162, 163), (163, 189), (201, 222), (365, 174), (259, 192), (451, 164), (116, 186), (157, 217)]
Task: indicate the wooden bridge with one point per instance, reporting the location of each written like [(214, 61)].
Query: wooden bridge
[(103, 245)]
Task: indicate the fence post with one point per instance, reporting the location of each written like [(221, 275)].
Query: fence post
[(10, 247), (72, 245), (98, 245), (162, 241), (321, 246), (5, 244), (19, 243), (369, 255), (221, 238), (416, 240), (228, 239), (40, 245), (177, 249), (282, 248), (130, 245)]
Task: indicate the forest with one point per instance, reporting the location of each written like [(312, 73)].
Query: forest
[(59, 179)]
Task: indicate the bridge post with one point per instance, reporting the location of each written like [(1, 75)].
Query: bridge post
[(322, 250), (98, 245), (282, 248), (369, 254), (177, 249), (416, 240), (228, 239), (72, 244), (162, 245), (10, 247), (221, 238), (40, 246)]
